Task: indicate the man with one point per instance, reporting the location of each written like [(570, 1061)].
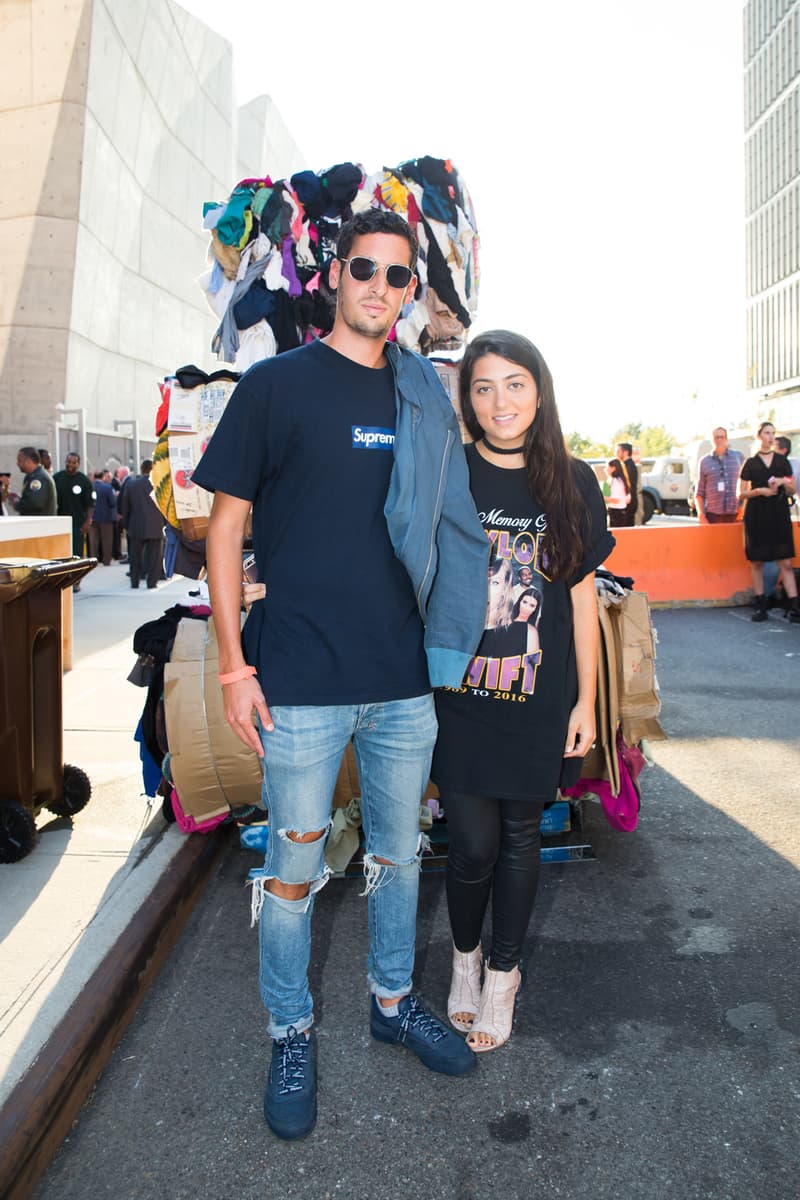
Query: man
[(717, 478), (524, 581), (118, 481), (784, 446), (349, 452), (144, 525), (624, 452), (75, 497), (104, 518), (38, 497)]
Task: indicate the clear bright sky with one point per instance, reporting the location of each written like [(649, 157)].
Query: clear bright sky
[(602, 144)]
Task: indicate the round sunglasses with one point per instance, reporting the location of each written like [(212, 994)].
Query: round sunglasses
[(363, 269)]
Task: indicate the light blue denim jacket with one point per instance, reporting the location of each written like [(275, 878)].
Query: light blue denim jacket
[(432, 519)]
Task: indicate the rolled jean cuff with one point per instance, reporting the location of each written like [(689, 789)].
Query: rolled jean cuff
[(278, 1032), (384, 993)]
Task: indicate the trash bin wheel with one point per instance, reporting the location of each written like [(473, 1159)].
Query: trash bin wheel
[(75, 795), (17, 831)]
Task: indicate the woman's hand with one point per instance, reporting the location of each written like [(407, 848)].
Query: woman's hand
[(252, 592), (580, 731)]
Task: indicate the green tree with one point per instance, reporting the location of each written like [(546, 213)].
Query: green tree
[(584, 447), (629, 433), (654, 440), (579, 445)]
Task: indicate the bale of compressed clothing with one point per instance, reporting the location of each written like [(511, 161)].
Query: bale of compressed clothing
[(272, 244)]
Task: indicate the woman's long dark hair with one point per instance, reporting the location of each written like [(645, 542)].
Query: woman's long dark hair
[(550, 466)]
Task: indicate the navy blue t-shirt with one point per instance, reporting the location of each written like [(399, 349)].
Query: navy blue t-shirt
[(308, 437)]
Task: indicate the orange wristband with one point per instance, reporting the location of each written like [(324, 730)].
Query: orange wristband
[(237, 676)]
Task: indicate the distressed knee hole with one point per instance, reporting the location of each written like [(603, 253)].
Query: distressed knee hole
[(302, 838)]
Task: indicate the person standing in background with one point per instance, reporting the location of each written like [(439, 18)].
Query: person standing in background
[(784, 447), (144, 525), (766, 485), (118, 481), (630, 473), (101, 530), (717, 479), (75, 499), (38, 497), (618, 498)]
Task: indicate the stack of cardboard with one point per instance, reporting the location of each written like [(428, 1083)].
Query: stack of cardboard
[(212, 770), (627, 688)]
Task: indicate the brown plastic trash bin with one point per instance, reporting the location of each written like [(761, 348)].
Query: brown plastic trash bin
[(32, 770)]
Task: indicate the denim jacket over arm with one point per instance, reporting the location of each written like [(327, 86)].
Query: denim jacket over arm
[(432, 519)]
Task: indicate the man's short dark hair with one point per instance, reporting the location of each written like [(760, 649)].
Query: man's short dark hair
[(147, 466), (785, 444), (376, 220), (31, 453), (626, 446)]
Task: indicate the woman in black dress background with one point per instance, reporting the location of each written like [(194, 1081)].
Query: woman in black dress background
[(767, 483)]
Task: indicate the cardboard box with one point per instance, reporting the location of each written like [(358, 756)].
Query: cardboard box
[(213, 771), (198, 410), (194, 528), (185, 452)]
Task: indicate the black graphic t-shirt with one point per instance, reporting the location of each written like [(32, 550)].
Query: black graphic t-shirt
[(308, 437), (502, 732)]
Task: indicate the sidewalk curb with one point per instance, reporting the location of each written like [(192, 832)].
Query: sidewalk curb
[(39, 1112)]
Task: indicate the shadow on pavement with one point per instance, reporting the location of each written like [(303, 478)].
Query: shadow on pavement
[(656, 1052)]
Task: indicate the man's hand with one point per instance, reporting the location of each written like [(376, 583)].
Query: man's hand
[(240, 700)]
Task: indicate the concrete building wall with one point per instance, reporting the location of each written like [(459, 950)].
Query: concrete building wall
[(264, 138), (772, 172), (119, 121), (42, 117)]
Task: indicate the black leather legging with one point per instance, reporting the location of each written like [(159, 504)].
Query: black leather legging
[(494, 850)]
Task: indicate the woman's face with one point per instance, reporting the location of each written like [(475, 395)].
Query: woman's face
[(504, 398), (767, 436), (527, 608), (498, 593)]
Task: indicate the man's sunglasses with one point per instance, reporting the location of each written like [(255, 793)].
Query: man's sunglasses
[(363, 269)]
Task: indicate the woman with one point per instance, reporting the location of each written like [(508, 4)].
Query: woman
[(521, 722), (501, 594), (766, 483), (619, 497), (527, 610)]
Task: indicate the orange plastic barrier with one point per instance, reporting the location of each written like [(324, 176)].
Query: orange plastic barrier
[(690, 564)]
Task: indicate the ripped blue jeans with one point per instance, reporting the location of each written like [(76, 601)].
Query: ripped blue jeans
[(393, 744)]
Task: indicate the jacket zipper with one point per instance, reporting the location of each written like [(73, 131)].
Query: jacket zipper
[(434, 520)]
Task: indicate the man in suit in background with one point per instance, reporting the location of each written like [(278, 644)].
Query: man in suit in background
[(144, 525)]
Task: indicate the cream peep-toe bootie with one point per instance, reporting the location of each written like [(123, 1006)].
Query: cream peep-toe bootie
[(496, 1010), (465, 987)]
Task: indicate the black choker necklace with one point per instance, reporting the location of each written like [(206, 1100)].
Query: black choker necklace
[(500, 449)]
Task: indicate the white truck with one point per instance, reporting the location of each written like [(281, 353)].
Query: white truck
[(666, 486)]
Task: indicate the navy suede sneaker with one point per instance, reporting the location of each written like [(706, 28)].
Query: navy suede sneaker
[(290, 1101), (433, 1043)]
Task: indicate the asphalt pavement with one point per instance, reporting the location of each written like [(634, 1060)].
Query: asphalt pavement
[(656, 1051)]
